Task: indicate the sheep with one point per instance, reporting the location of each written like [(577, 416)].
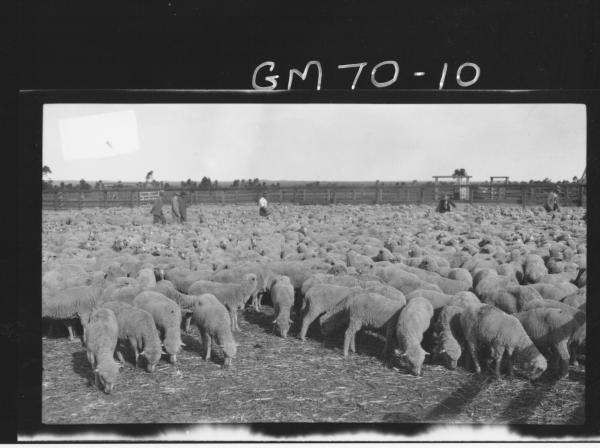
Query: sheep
[(73, 303), (513, 299), (318, 300), (182, 279), (490, 326), (100, 336), (361, 263), (232, 295), (146, 278), (167, 317), (403, 280), (414, 319), (449, 334), (534, 268), (577, 299), (461, 274), (386, 291), (137, 327), (464, 299), (321, 279), (492, 283), (437, 299), (213, 322), (263, 279), (361, 309), (298, 271), (553, 292), (282, 296), (186, 302), (552, 331)]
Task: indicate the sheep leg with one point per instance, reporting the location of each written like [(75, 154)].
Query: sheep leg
[(473, 353), (306, 321), (496, 356), (188, 321), (388, 346), (207, 342), (133, 343), (351, 331), (71, 334), (563, 359), (573, 355), (509, 355), (120, 356)]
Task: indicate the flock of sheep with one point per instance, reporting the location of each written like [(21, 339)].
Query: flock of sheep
[(481, 283)]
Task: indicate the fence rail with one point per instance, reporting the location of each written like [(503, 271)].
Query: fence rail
[(521, 194)]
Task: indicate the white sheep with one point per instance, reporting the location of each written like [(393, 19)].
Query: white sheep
[(490, 326), (436, 298), (282, 296), (264, 278), (233, 295), (186, 302), (464, 299), (182, 279), (146, 278), (449, 331), (553, 330), (137, 327), (407, 333), (167, 317), (73, 303), (213, 322), (318, 300), (361, 309), (100, 336)]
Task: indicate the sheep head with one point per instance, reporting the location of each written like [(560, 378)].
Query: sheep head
[(107, 374)]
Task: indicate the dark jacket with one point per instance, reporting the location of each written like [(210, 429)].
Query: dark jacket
[(157, 207)]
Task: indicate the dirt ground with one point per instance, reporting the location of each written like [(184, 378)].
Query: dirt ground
[(286, 380)]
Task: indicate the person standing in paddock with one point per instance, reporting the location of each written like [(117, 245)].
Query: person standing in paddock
[(183, 206), (175, 211), (445, 204), (157, 210), (262, 206), (551, 204)]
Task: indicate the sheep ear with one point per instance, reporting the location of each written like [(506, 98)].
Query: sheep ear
[(441, 351), (274, 322), (183, 345), (96, 370), (143, 353), (427, 353), (163, 352)]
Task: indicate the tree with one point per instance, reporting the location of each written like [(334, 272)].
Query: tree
[(150, 176), (236, 183), (205, 183), (46, 170), (83, 185), (119, 184), (459, 172), (575, 179), (215, 183)]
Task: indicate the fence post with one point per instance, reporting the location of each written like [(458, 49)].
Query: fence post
[(471, 195), (222, 197), (79, 203), (523, 197), (131, 199), (567, 198), (56, 201), (581, 195)]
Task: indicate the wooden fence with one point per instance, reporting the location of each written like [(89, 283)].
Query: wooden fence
[(521, 194)]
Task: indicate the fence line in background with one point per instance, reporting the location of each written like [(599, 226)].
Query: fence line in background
[(521, 194)]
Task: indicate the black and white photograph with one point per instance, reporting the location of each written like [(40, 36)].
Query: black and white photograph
[(314, 263)]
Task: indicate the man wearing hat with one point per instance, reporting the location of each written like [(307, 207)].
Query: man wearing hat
[(183, 206), (157, 211), (551, 203), (262, 206)]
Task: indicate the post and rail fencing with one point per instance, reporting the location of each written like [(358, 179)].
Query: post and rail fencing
[(534, 194)]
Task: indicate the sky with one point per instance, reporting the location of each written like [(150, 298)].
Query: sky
[(324, 142)]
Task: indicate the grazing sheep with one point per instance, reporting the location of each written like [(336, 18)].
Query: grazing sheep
[(577, 299), (282, 296), (298, 271), (73, 303), (464, 299), (146, 278), (361, 263), (263, 279), (534, 268), (403, 280), (233, 295), (137, 327), (449, 334), (407, 333), (552, 331), (461, 274), (100, 336), (213, 322), (362, 309), (318, 300), (186, 302), (492, 283), (552, 292), (386, 291), (513, 299), (182, 279), (490, 326), (437, 299), (328, 279), (167, 317)]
